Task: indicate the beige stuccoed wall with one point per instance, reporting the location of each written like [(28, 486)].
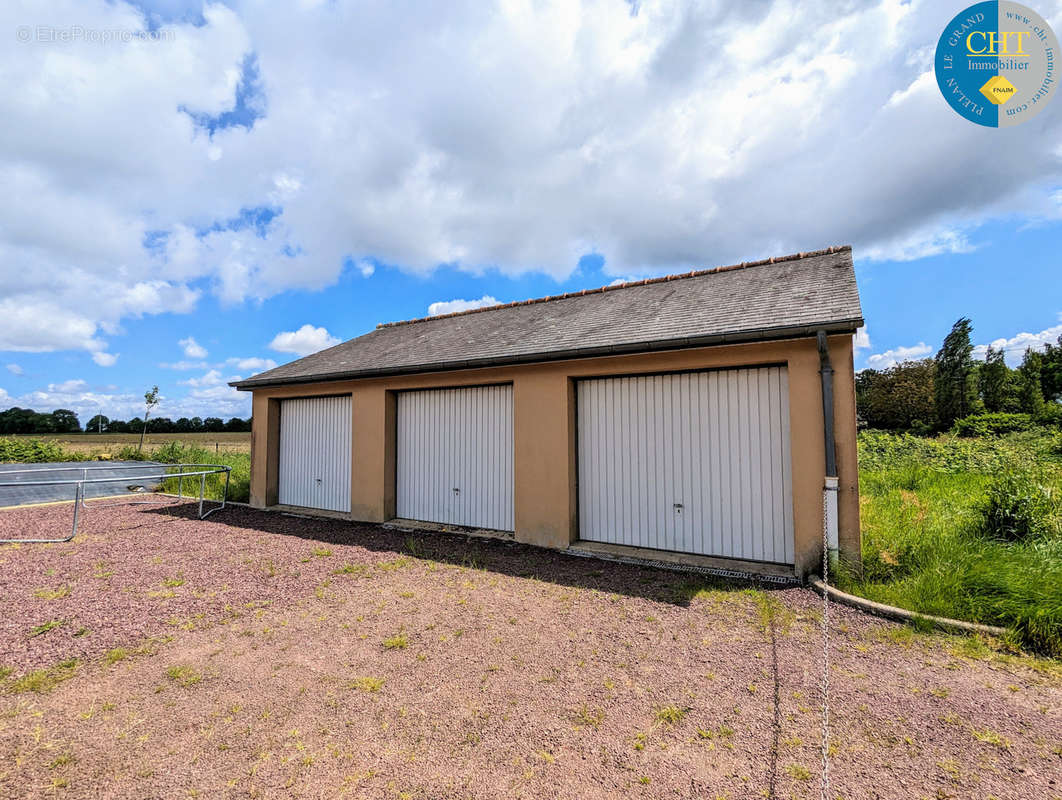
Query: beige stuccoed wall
[(544, 433)]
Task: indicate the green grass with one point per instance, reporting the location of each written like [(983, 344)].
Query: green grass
[(183, 675), (44, 680), (924, 548), (367, 684), (670, 715), (44, 627), (397, 642), (239, 477)]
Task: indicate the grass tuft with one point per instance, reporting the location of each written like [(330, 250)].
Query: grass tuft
[(396, 642), (351, 569), (44, 680), (367, 684), (44, 627), (183, 675), (670, 714)]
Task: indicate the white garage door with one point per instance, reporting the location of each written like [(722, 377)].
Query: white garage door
[(455, 456), (315, 453), (692, 462)]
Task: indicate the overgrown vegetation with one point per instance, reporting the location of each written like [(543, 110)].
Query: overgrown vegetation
[(969, 528), (33, 451), (175, 452), (182, 453)]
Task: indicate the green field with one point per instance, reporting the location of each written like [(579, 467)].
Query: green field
[(967, 528)]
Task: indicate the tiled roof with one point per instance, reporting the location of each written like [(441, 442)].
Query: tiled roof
[(771, 299)]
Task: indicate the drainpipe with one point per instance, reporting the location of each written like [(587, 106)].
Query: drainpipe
[(829, 496)]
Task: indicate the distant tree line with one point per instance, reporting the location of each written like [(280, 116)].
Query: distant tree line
[(63, 420), (932, 393)]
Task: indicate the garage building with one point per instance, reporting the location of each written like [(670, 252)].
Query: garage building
[(685, 418)]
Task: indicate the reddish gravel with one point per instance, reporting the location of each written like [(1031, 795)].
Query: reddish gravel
[(252, 670)]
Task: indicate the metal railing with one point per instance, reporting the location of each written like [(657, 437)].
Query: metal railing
[(182, 471)]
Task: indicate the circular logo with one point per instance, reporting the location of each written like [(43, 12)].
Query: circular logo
[(997, 64)]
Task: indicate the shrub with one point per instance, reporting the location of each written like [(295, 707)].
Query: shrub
[(992, 424), (1050, 415), (33, 451), (1016, 507), (880, 450), (130, 452)]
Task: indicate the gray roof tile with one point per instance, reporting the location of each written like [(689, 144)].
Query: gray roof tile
[(775, 298)]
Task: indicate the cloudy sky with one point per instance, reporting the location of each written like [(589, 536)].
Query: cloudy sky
[(195, 192)]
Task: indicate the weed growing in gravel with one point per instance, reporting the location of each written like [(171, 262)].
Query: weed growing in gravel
[(44, 627), (367, 684), (115, 655), (5, 671), (351, 569), (798, 772), (395, 563), (44, 680), (991, 737), (670, 715), (589, 717), (322, 552), (396, 642), (52, 594), (173, 583), (772, 614), (183, 675), (100, 571), (61, 761)]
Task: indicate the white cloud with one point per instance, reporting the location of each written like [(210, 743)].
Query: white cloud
[(15, 369), (67, 387), (184, 365), (891, 358), (105, 359), (1014, 348), (862, 339), (192, 348), (211, 378), (366, 268), (251, 364), (526, 136), (452, 306), (304, 341)]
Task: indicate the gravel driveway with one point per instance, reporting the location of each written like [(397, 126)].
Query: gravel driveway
[(262, 655)]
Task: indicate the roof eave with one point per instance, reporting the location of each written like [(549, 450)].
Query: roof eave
[(738, 337)]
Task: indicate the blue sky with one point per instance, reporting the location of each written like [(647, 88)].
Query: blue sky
[(230, 186)]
